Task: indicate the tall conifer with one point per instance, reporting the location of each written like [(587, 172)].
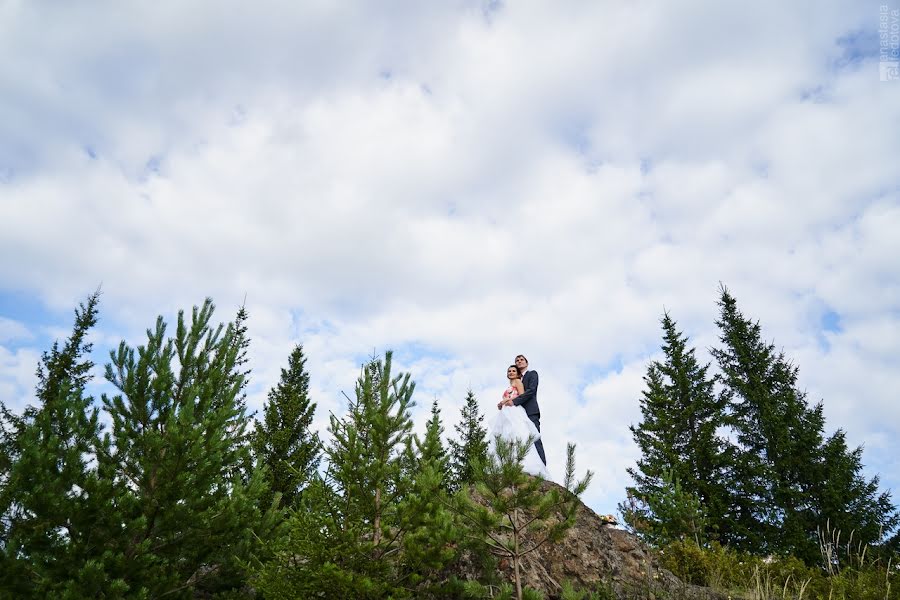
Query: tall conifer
[(790, 481), (683, 458), (284, 441), (471, 447), (777, 434), (348, 531), (431, 532), (55, 510)]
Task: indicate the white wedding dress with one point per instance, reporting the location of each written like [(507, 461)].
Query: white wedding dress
[(511, 423)]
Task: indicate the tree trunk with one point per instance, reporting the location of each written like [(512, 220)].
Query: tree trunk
[(516, 554), (376, 535)]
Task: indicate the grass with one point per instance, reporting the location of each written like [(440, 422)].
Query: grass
[(848, 570)]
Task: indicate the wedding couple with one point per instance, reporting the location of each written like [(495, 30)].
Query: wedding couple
[(519, 415)]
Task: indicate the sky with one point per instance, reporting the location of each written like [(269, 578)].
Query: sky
[(462, 182)]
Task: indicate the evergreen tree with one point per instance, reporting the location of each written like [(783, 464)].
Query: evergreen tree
[(431, 531), (364, 458), (7, 453), (240, 376), (670, 513), (54, 509), (284, 441), (176, 454), (683, 459), (471, 447), (789, 480), (846, 501), (512, 503), (348, 537), (431, 449), (779, 437)]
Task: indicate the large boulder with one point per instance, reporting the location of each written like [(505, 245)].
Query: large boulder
[(593, 555)]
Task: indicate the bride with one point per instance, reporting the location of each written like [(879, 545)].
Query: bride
[(512, 423)]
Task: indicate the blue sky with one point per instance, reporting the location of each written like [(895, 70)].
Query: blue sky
[(462, 183)]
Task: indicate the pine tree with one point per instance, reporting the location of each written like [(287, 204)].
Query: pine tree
[(364, 458), (284, 441), (683, 459), (176, 454), (471, 448), (515, 513), (348, 536)]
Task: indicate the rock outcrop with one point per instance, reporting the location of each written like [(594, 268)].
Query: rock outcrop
[(595, 556)]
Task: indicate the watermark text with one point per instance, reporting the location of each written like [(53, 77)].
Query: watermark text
[(888, 43)]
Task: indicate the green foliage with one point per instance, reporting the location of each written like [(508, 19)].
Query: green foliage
[(777, 435), (679, 477), (769, 490), (318, 553), (687, 561), (283, 441), (786, 478), (431, 451), (162, 504), (514, 513), (377, 525), (667, 513), (568, 592), (54, 508), (471, 447), (364, 463), (856, 575), (177, 456), (431, 531)]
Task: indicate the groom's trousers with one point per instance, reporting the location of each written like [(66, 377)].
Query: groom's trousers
[(538, 445)]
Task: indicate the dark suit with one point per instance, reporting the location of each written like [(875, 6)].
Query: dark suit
[(528, 401)]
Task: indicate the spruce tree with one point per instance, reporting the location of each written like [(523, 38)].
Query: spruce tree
[(788, 479), (777, 436), (431, 531), (845, 500), (683, 458), (56, 513), (240, 375), (176, 453), (471, 447), (284, 441), (347, 538), (431, 448)]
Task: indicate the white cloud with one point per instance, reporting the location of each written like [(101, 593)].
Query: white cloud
[(13, 330)]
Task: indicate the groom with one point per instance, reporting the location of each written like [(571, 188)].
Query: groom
[(528, 399)]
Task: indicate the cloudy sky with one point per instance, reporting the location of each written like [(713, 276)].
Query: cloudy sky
[(461, 182)]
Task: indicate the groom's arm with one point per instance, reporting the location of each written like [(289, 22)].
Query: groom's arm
[(530, 389)]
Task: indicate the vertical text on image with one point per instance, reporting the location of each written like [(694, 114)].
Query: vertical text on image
[(889, 42)]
